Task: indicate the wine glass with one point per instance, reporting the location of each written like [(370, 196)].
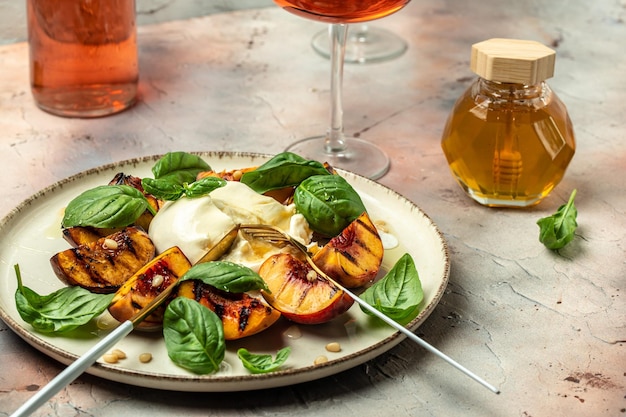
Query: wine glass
[(365, 44), (350, 153)]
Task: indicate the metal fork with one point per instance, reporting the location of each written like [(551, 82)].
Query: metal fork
[(274, 235)]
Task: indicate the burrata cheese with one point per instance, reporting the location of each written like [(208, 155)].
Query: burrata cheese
[(197, 224)]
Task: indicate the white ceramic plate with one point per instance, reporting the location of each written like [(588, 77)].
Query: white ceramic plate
[(31, 234)]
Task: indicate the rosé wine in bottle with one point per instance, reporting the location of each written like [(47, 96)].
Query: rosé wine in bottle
[(83, 56)]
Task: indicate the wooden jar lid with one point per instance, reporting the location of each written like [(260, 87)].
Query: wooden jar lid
[(512, 61)]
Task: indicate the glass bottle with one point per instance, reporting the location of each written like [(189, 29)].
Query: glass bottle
[(509, 138), (83, 56)]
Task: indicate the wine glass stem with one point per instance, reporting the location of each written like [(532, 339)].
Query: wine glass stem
[(335, 141)]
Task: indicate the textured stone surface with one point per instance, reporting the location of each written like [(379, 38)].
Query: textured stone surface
[(546, 328)]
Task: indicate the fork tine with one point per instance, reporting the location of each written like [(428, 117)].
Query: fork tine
[(264, 232), (258, 228)]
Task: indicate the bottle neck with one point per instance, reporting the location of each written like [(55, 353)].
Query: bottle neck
[(511, 91), (511, 95)]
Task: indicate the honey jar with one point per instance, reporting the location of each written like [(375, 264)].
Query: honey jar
[(509, 138)]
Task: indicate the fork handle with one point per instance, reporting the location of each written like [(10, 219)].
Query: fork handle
[(421, 342), (74, 370)]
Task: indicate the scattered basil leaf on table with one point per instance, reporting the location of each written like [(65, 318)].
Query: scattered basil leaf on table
[(557, 230), (263, 363), (194, 336), (60, 311), (328, 203), (226, 276), (170, 190), (284, 170), (106, 206), (180, 167), (399, 293)]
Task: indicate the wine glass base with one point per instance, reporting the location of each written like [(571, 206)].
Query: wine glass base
[(365, 44), (361, 157)]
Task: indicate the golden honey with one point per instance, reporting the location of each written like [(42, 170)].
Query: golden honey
[(508, 143)]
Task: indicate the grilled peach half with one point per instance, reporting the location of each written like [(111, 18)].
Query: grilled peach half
[(299, 293), (242, 315), (103, 265), (353, 257), (147, 284)]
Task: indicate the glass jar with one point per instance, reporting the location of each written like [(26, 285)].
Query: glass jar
[(509, 138)]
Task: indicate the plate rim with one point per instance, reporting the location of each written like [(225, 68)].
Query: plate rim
[(230, 383)]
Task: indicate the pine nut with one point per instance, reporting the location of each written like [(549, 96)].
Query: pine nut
[(106, 322), (320, 360), (119, 353), (110, 244), (145, 357), (311, 275), (110, 358), (382, 225), (333, 347), (157, 280)]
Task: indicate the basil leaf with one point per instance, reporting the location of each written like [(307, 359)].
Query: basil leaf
[(226, 276), (284, 170), (204, 186), (194, 336), (399, 293), (172, 186), (180, 167), (328, 203), (163, 189), (258, 364), (105, 206), (557, 230), (61, 311)]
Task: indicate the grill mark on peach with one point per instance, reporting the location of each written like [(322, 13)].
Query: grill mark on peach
[(298, 273), (222, 304), (85, 263), (347, 239), (244, 315), (348, 256), (128, 243), (97, 270), (123, 256), (127, 254), (369, 228), (364, 246)]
